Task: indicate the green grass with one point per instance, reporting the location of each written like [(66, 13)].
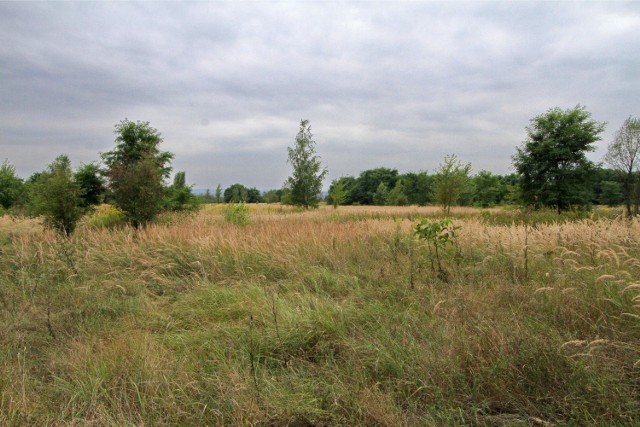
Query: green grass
[(310, 318)]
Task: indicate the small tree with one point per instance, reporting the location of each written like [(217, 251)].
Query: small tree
[(381, 196), (138, 190), (179, 196), (397, 196), (57, 196), (452, 179), (337, 193), (136, 169), (623, 154), (439, 235), (305, 183), (11, 187), (219, 194), (551, 163)]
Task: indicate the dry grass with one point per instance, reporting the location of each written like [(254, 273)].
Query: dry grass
[(325, 317)]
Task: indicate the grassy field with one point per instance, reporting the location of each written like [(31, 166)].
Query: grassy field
[(327, 317)]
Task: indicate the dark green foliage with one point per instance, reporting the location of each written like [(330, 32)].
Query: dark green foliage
[(418, 187), (305, 182), (136, 142), (238, 193), (368, 183), (488, 189), (57, 196), (551, 163), (92, 185), (11, 187), (179, 197), (347, 183), (138, 190), (610, 193), (136, 170)]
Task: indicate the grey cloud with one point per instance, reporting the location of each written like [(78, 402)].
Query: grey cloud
[(384, 84)]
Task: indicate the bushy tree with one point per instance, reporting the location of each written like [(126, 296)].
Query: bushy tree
[(418, 187), (451, 180), (272, 196), (623, 154), (57, 196), (179, 196), (136, 170), (305, 183), (611, 193), (368, 182), (487, 189), (552, 164), (11, 187), (92, 185), (347, 183), (381, 196), (138, 190), (236, 193), (397, 196)]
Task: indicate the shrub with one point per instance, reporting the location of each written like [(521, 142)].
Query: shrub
[(237, 213)]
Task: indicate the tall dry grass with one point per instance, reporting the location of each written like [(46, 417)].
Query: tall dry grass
[(325, 317)]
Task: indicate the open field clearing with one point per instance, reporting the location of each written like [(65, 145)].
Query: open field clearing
[(325, 317)]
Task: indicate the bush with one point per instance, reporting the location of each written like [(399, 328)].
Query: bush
[(107, 216), (237, 213)]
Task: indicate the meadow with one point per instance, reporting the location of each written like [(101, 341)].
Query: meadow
[(321, 318)]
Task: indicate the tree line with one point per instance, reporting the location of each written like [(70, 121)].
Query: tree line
[(551, 170)]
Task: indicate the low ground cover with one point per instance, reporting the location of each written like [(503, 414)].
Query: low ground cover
[(325, 317)]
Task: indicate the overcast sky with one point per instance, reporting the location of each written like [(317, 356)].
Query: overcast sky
[(394, 84)]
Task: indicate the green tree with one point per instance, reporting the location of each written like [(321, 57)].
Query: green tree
[(236, 193), (381, 196), (623, 154), (397, 196), (57, 196), (305, 183), (136, 170), (551, 163), (91, 183), (11, 187), (219, 194), (367, 184), (138, 190), (418, 187), (611, 193), (179, 196), (487, 189), (272, 196), (337, 193), (451, 180)]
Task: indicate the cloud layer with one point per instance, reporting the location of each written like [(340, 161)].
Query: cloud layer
[(383, 84)]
